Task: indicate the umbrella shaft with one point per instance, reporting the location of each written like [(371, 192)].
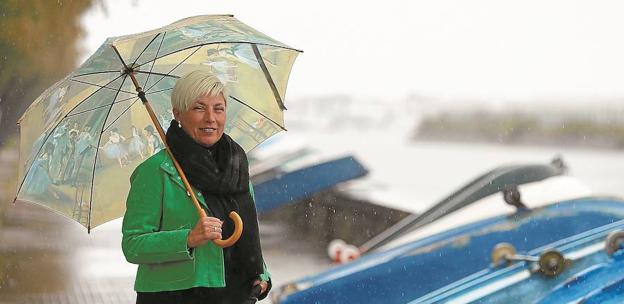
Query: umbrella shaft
[(161, 132)]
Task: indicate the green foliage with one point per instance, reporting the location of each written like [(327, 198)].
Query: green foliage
[(38, 43)]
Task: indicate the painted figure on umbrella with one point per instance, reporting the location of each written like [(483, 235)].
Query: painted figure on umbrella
[(162, 232), (153, 142), (114, 149), (136, 145), (39, 181), (60, 150), (69, 163)]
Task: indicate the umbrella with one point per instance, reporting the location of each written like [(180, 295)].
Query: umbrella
[(81, 139)]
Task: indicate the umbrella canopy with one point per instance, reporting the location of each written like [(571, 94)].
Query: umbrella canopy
[(81, 139)]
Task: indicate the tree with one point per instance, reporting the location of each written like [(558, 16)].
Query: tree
[(38, 45)]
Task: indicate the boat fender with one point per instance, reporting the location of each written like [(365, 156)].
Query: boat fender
[(341, 252), (348, 254), (335, 248)]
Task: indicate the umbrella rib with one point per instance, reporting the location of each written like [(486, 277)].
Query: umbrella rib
[(163, 77), (99, 107), (268, 77), (95, 73), (116, 102), (147, 46), (175, 67), (147, 93), (158, 74), (245, 104), (219, 42), (100, 86), (120, 59), (121, 114), (96, 156), (154, 92), (154, 63), (48, 136), (146, 79)]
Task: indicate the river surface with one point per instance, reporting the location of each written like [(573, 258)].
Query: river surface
[(47, 259)]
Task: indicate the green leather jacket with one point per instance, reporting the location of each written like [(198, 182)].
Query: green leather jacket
[(159, 216)]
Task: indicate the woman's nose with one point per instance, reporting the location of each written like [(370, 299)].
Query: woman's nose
[(209, 116)]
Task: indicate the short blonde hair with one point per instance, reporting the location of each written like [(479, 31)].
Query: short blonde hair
[(193, 85)]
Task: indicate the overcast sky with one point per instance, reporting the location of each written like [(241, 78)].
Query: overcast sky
[(485, 49)]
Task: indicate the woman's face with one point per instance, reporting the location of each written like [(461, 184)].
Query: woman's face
[(204, 120)]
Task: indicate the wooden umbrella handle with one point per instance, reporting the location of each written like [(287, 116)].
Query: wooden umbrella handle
[(238, 231)]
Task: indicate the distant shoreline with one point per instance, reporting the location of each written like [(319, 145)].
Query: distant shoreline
[(521, 129)]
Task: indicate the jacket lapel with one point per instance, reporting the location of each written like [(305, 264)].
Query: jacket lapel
[(168, 167)]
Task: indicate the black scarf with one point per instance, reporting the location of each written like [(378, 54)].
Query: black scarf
[(221, 173)]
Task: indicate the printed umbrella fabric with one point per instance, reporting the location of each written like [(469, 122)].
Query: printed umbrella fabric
[(81, 139)]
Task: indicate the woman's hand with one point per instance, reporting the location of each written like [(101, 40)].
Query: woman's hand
[(263, 285), (206, 229)]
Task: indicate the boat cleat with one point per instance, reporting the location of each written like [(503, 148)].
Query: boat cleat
[(614, 242)]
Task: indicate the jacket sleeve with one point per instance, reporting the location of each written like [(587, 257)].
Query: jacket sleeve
[(265, 276), (142, 241)]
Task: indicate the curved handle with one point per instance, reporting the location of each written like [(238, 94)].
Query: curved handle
[(238, 230)]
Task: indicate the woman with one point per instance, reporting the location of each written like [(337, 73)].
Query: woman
[(178, 262)]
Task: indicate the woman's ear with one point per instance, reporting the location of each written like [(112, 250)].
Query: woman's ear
[(176, 116)]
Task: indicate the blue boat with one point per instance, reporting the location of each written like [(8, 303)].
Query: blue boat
[(564, 251), (284, 170), (285, 187)]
